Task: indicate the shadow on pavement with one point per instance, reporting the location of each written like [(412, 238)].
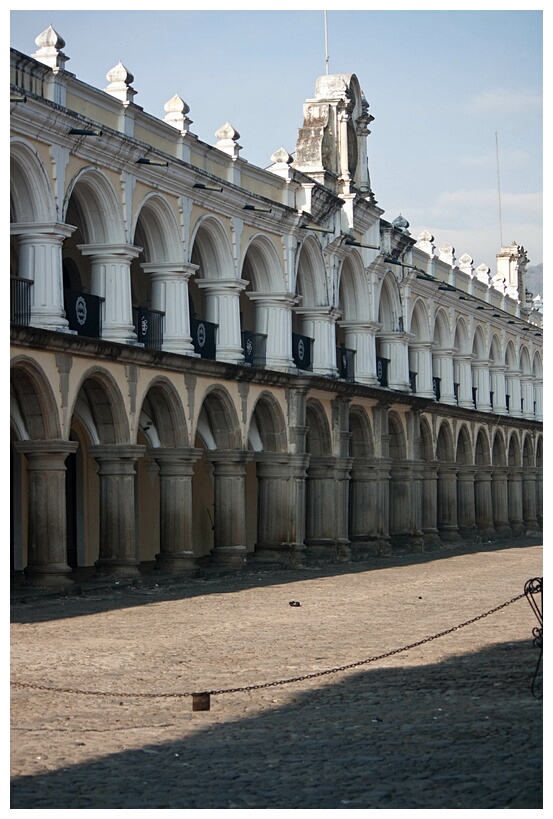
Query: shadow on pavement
[(462, 733)]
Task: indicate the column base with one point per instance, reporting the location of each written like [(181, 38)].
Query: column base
[(52, 576), (503, 530), (487, 532), (517, 528), (364, 548), (177, 562), (406, 542), (287, 555), (117, 567), (327, 551), (450, 535), (432, 540), (470, 535), (231, 556)]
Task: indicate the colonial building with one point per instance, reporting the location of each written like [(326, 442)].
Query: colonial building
[(213, 363)]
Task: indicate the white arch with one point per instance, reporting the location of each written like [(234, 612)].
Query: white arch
[(265, 264), (99, 207), (160, 229), (212, 242), (32, 199)]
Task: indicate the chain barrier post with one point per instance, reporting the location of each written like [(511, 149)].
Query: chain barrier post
[(532, 589)]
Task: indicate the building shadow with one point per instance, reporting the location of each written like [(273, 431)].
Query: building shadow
[(462, 733)]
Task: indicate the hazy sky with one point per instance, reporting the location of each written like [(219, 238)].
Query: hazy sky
[(440, 85)]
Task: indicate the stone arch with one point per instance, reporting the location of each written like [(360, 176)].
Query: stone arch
[(537, 365), (479, 344), (162, 419), (218, 426), (461, 340), (211, 249), (354, 298), (525, 367), (100, 409), (442, 332), (361, 440), (464, 454), (389, 304), (31, 197), (34, 410), (498, 449), (267, 431), (398, 446), (426, 444), (262, 266), (444, 444), (318, 439), (514, 454), (263, 303), (419, 324), (482, 448), (311, 275), (528, 451), (92, 204)]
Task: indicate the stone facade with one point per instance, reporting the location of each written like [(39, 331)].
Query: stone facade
[(214, 363)]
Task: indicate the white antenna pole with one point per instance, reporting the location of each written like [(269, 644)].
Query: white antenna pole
[(326, 43), (498, 190)]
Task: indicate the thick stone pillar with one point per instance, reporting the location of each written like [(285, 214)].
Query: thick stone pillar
[(327, 509), (319, 323), (47, 534), (466, 510), (273, 318), (281, 508), (514, 489), (395, 348), (110, 278), (170, 296), (447, 503), (116, 470), (483, 502), (500, 503), (360, 336), (363, 506), (463, 375), (421, 364), (513, 391), (430, 533), (539, 496), (405, 517), (176, 468), (481, 375), (222, 307), (383, 470), (497, 386), (527, 393), (529, 499), (442, 361), (229, 526), (40, 260)]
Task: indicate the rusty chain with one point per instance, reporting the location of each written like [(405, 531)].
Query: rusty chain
[(313, 675)]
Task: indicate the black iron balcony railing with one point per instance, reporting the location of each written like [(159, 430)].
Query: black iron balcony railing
[(148, 325), (456, 392), (301, 351), (412, 381), (255, 348), (345, 361), (203, 337), (474, 394), (382, 370), (436, 387), (20, 301), (83, 312)]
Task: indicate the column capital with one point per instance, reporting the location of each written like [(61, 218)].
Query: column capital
[(39, 230), (222, 286), (116, 250), (60, 448), (117, 452)]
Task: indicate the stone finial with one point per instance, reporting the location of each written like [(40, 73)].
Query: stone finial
[(401, 223), (483, 274), (120, 79), (465, 265), (425, 242), (228, 140), (50, 49), (177, 110), (282, 157), (447, 254)]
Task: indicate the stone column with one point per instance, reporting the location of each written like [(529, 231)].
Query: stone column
[(514, 393), (363, 505), (327, 516), (110, 278), (527, 392), (538, 399), (222, 307), (430, 533), (395, 348), (442, 360), (40, 260), (481, 375), (497, 386), (281, 508), (360, 336), (466, 510), (447, 503), (405, 518), (176, 468), (529, 499), (116, 470), (463, 364), (229, 526), (483, 502), (170, 296), (422, 365), (500, 502), (383, 470), (514, 488), (539, 496), (273, 318), (47, 534), (319, 323)]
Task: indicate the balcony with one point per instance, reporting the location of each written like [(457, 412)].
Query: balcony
[(345, 361), (203, 338), (412, 381), (83, 312), (20, 301), (301, 352), (148, 325), (382, 370), (436, 387), (255, 348)]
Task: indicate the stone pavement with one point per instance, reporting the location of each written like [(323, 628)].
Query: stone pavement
[(448, 724)]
